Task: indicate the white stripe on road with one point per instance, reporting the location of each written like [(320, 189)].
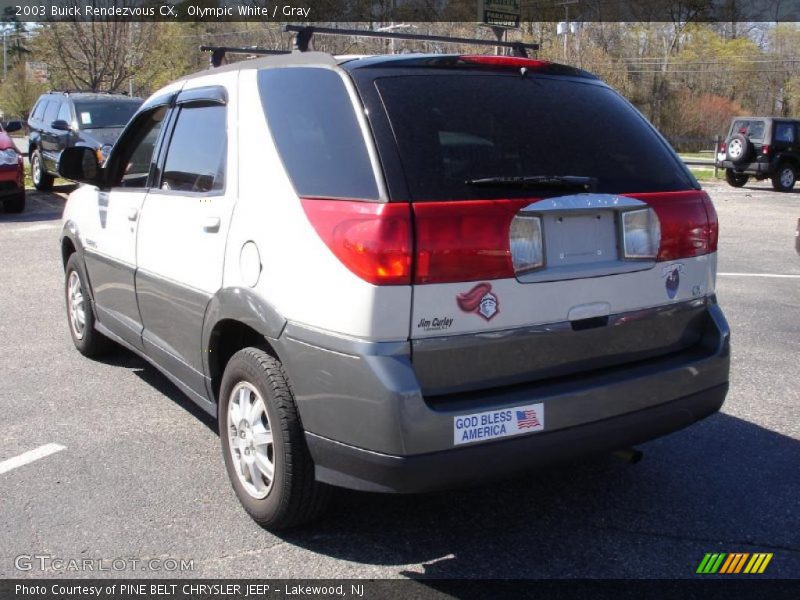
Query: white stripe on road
[(30, 456), (775, 275)]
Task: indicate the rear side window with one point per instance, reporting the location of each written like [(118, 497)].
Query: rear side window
[(784, 132), (317, 134), (452, 128)]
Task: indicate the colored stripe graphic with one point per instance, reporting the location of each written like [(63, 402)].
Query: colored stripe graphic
[(727, 564), (711, 563)]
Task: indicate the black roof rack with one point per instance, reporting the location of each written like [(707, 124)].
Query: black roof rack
[(218, 52), (306, 32)]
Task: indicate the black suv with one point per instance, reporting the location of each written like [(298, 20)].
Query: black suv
[(61, 120), (762, 147)]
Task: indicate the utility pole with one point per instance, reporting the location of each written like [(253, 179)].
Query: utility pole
[(5, 55), (566, 4)]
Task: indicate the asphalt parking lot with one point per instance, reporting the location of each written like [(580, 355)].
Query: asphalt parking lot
[(138, 470)]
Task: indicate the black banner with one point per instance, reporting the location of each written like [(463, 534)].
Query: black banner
[(410, 589), (371, 11)]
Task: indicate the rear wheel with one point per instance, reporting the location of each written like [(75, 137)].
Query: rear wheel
[(80, 314), (784, 178), (14, 204), (42, 180), (263, 443), (735, 179)]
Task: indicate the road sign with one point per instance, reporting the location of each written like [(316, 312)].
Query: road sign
[(499, 13)]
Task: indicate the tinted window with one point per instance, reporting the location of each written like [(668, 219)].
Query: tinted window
[(197, 151), (51, 113), (754, 130), (317, 134), (38, 112), (101, 114), (133, 154), (784, 132), (64, 113), (451, 128)]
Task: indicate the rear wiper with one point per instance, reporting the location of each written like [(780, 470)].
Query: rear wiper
[(572, 182)]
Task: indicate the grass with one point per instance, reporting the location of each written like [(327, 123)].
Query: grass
[(701, 155), (707, 174)]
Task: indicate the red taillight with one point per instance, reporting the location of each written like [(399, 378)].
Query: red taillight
[(765, 149), (517, 62), (371, 239), (721, 147), (688, 223), (466, 240)]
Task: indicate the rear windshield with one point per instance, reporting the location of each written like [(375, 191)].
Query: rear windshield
[(753, 130), (452, 128), (103, 114)]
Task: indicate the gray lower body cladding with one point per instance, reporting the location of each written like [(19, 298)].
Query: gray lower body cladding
[(371, 425)]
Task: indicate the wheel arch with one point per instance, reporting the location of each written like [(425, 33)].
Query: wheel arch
[(70, 242), (236, 318)]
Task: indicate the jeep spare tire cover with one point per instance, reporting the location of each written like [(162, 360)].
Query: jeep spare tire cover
[(738, 148)]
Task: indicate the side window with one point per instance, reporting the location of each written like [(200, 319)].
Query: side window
[(197, 150), (314, 125), (133, 156), (38, 112), (784, 132), (64, 113), (51, 114)]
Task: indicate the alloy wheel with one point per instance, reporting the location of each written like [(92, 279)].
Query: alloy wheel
[(75, 301), (250, 440)]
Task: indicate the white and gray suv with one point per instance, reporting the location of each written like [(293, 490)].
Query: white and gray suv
[(400, 273)]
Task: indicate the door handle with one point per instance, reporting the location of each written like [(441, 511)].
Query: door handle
[(211, 224), (133, 213)]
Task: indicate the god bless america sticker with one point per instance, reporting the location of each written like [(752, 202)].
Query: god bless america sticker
[(495, 424)]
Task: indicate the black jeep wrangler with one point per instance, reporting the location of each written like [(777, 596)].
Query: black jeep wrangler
[(762, 147), (61, 120)]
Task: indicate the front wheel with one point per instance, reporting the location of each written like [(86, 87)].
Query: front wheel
[(42, 180), (263, 443), (80, 314), (784, 178), (735, 179)]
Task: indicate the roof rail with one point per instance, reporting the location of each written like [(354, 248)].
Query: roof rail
[(218, 52), (306, 32)]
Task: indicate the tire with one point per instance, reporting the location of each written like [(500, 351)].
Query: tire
[(736, 179), (271, 439), (42, 180), (14, 204), (784, 178), (87, 339), (738, 149)]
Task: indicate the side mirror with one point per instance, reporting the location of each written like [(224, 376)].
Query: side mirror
[(12, 126), (60, 125), (80, 164)]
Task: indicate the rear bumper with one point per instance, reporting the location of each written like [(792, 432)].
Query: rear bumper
[(371, 426), (347, 466), (11, 180), (754, 168)]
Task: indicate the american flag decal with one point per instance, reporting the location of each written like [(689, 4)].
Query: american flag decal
[(527, 419)]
